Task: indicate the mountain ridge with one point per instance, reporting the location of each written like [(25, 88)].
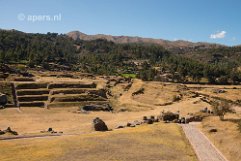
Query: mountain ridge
[(136, 39)]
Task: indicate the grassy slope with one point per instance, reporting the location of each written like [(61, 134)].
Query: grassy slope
[(148, 142), (155, 94)]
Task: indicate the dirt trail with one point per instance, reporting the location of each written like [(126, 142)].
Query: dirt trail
[(202, 146), (27, 137)]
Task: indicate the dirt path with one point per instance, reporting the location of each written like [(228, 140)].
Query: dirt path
[(26, 137), (202, 146)]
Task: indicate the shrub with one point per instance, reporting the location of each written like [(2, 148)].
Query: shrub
[(221, 108)]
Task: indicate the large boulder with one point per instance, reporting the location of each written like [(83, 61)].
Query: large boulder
[(3, 99), (99, 125)]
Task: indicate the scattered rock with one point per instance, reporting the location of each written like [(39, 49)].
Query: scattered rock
[(213, 130), (136, 122), (120, 127), (9, 131), (152, 118), (156, 120), (149, 121), (132, 125), (50, 130), (183, 120), (144, 118), (2, 132), (128, 124), (139, 91), (217, 91), (197, 117)]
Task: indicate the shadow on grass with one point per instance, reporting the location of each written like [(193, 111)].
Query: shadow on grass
[(233, 120)]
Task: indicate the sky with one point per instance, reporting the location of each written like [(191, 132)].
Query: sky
[(215, 21)]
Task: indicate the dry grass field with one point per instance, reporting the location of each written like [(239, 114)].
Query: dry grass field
[(33, 120), (147, 142), (228, 138)]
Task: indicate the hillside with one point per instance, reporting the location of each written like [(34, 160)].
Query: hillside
[(161, 60)]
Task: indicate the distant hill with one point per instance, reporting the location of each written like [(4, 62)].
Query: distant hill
[(128, 39)]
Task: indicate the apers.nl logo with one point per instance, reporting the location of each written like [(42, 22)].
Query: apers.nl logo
[(39, 18)]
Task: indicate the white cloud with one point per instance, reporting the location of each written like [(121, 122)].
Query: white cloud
[(218, 35)]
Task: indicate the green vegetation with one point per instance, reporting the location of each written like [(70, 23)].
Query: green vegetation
[(128, 75), (216, 64), (35, 49)]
